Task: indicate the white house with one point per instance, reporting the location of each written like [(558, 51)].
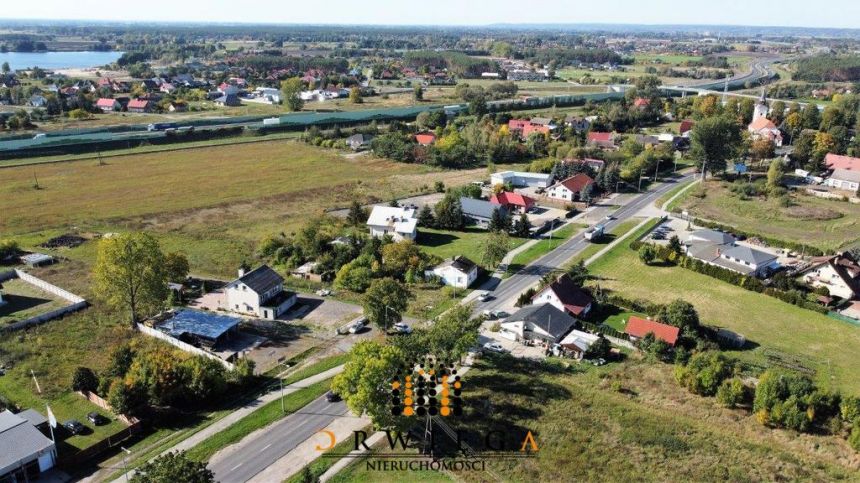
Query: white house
[(27, 452), (457, 272), (844, 179), (520, 179), (541, 323), (259, 293), (840, 274), (564, 295), (577, 343), (400, 223), (570, 188), (718, 248)]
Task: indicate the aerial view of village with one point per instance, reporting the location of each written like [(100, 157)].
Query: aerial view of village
[(459, 241)]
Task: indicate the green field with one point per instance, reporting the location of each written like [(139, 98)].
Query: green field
[(823, 344), (825, 224), (671, 193), (619, 231), (447, 243), (542, 247)]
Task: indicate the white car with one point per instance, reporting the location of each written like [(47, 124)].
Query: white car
[(323, 292), (402, 328), (495, 347), (356, 328)]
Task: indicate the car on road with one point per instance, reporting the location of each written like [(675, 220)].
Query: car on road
[(402, 328), (485, 296), (609, 217), (495, 347), (97, 419), (332, 397), (74, 426)]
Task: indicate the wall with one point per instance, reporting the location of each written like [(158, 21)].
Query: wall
[(76, 302), (182, 345), (50, 288)]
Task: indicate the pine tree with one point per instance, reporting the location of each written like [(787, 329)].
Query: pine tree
[(522, 228)]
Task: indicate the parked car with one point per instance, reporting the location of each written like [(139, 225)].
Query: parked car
[(356, 327), (484, 296), (323, 292), (97, 419), (495, 347), (402, 328), (74, 427), (488, 314), (500, 314), (332, 397)]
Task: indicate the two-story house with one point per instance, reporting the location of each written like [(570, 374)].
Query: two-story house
[(259, 293)]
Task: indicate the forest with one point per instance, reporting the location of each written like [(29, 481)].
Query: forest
[(828, 68)]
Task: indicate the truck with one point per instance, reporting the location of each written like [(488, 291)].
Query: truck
[(271, 121), (594, 233), (162, 126)]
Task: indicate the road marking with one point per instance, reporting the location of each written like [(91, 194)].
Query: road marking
[(266, 447), (240, 464)]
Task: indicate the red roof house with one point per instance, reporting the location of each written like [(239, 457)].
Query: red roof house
[(425, 138), (106, 104), (642, 102), (138, 105), (513, 201), (601, 139), (570, 188), (836, 161), (565, 296), (686, 125), (638, 328)]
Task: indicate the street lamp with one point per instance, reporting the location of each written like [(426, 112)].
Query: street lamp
[(125, 453), (657, 170), (281, 361)]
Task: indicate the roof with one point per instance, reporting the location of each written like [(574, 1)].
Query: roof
[(548, 318), (425, 138), (105, 102), (207, 325), (479, 208), (574, 298), (639, 327), (459, 263), (138, 104), (403, 220), (541, 121), (506, 198), (642, 102), (33, 417), (19, 440), (36, 258), (261, 279), (748, 254), (359, 138), (714, 236), (846, 175), (598, 136), (686, 125), (578, 341), (762, 123), (576, 183), (837, 161)]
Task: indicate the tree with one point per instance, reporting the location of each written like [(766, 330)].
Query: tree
[(449, 213), (500, 221), (496, 245), (714, 141), (451, 336), (173, 467), (775, 173), (523, 227), (123, 399), (177, 267), (6, 67), (761, 149), (854, 437), (357, 214), (400, 257), (681, 314), (586, 194), (425, 217), (130, 274), (811, 116), (647, 254), (599, 349), (675, 244), (794, 125), (733, 392), (365, 381), (85, 380), (578, 273), (384, 302), (354, 276), (292, 89), (355, 96), (704, 373), (418, 93), (206, 378)]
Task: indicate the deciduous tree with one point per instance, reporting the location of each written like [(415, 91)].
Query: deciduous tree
[(173, 467)]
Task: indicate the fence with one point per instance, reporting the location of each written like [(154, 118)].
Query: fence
[(182, 345), (77, 460), (76, 302), (98, 401)]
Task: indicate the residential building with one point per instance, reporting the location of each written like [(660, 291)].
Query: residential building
[(397, 222), (686, 126), (228, 100), (637, 328), (540, 323), (595, 164), (259, 293), (25, 452), (570, 188), (228, 89), (604, 140), (108, 105), (711, 236), (836, 161), (479, 212), (844, 179), (577, 343), (761, 127), (139, 106), (565, 295), (840, 274), (526, 127), (641, 102), (578, 123), (520, 179), (513, 202), (425, 138), (38, 101), (457, 272), (718, 248), (357, 142)]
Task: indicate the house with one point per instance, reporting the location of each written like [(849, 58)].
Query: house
[(457, 272), (227, 89), (307, 272), (839, 274), (259, 293), (764, 128), (25, 452), (565, 295), (641, 102), (605, 140), (836, 161), (541, 323), (520, 179), (108, 105), (177, 106), (577, 343), (479, 212), (228, 100), (577, 123), (718, 248), (647, 139), (425, 138), (139, 106), (357, 142), (638, 328), (525, 127), (570, 188), (595, 164), (38, 101), (513, 202), (167, 88), (397, 222), (686, 125), (844, 179)]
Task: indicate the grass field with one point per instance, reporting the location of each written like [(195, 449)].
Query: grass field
[(447, 243), (671, 193), (834, 224), (823, 344), (543, 247), (620, 230), (23, 301)]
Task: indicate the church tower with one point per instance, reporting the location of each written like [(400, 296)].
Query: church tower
[(760, 107)]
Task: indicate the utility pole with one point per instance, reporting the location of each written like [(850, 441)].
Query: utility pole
[(125, 453), (657, 170)]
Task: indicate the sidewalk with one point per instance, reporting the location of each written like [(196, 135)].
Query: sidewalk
[(240, 413)]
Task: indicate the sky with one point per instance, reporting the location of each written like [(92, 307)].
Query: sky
[(801, 13)]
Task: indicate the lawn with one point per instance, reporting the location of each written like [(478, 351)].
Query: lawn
[(448, 243), (773, 328), (835, 224), (671, 193), (619, 231), (542, 247), (23, 301)]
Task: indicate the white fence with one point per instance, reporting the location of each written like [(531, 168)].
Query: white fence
[(182, 345), (75, 302)]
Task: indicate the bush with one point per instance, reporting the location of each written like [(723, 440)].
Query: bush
[(850, 409), (854, 438), (85, 380), (704, 373), (733, 392), (792, 401)]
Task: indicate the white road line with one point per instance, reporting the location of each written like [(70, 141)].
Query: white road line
[(240, 464)]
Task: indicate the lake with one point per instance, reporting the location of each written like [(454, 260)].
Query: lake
[(58, 60)]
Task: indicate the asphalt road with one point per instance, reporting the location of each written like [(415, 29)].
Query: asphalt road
[(276, 441), (510, 288)]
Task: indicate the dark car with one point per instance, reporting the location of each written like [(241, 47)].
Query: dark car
[(74, 426), (97, 418), (332, 397)]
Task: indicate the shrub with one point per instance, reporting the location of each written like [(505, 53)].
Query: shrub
[(704, 373), (850, 409), (733, 392), (85, 380), (854, 438)]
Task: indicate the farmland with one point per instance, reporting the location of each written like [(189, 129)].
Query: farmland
[(835, 224)]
